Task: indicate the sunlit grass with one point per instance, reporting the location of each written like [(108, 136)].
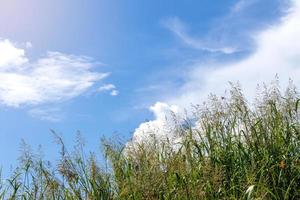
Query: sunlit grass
[(229, 150)]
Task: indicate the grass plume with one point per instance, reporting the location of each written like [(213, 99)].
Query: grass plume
[(230, 150)]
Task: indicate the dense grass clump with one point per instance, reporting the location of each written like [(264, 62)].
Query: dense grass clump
[(228, 150)]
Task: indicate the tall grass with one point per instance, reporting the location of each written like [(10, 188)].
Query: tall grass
[(230, 150)]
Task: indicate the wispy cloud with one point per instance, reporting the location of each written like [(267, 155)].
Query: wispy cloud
[(52, 114), (106, 87), (277, 52), (53, 78), (175, 25), (242, 5), (230, 33), (109, 88)]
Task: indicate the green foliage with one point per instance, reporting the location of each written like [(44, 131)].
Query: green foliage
[(230, 150)]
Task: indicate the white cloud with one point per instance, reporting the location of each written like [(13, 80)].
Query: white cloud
[(54, 78), (108, 87), (161, 127), (175, 25), (277, 52), (11, 55), (51, 114), (114, 93), (242, 5)]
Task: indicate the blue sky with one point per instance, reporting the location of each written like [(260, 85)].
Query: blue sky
[(98, 65)]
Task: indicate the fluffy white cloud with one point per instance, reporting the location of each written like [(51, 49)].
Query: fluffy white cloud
[(11, 55), (53, 78), (163, 125), (277, 52)]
